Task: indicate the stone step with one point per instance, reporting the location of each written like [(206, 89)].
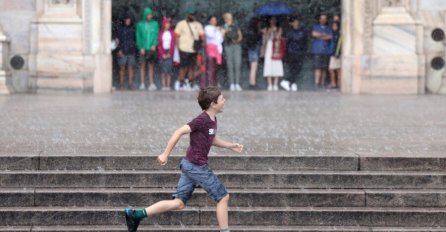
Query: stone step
[(145, 162), (305, 216), (348, 162), (70, 197), (142, 196), (402, 162), (231, 179), (159, 228)]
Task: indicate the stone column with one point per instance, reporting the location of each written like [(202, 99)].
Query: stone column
[(4, 53), (394, 66), (382, 48), (100, 22), (57, 47)]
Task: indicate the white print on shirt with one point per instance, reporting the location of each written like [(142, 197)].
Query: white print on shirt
[(211, 131)]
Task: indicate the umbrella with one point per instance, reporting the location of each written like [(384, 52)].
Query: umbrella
[(274, 9)]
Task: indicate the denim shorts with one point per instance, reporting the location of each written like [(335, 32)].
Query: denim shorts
[(127, 59), (253, 55), (166, 65), (192, 176)]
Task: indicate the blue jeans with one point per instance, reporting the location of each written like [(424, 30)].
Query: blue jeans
[(192, 176)]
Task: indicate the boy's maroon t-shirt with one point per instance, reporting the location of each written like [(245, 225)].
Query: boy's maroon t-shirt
[(203, 131)]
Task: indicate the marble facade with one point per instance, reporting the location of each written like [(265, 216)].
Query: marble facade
[(388, 47), (4, 70), (65, 45)]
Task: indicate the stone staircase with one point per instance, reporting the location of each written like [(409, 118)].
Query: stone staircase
[(352, 192)]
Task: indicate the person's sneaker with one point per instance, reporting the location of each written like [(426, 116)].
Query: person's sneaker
[(132, 223), (285, 85), (196, 88), (152, 87), (232, 87), (142, 86), (176, 85), (294, 87), (186, 87), (270, 88), (275, 88), (238, 87)]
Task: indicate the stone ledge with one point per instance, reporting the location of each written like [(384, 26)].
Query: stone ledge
[(306, 216)]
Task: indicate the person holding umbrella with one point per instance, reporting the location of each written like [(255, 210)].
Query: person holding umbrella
[(273, 50)]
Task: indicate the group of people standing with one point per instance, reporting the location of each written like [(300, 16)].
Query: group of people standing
[(199, 51)]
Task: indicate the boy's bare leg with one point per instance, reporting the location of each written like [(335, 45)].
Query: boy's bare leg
[(222, 212), (165, 206)]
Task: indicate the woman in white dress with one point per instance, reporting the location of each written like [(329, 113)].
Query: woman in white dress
[(273, 68)]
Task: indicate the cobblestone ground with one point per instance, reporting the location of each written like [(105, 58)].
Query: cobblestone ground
[(266, 123)]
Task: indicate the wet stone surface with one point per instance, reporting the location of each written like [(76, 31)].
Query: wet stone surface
[(279, 123)]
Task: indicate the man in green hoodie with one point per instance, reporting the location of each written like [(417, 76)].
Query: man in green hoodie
[(146, 41)]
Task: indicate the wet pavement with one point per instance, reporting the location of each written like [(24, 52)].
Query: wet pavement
[(270, 123)]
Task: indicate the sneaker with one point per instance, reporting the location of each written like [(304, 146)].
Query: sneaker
[(186, 87), (177, 85), (142, 86), (238, 87), (152, 87), (132, 223), (270, 88), (294, 87), (232, 87), (275, 88), (285, 85)]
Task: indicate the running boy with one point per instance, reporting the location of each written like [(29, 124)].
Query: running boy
[(194, 168)]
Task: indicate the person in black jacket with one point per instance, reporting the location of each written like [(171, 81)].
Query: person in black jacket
[(126, 50), (296, 49)]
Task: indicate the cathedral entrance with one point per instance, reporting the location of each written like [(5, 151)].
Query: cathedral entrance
[(243, 11)]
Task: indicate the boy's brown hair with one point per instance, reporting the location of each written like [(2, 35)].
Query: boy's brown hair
[(208, 95)]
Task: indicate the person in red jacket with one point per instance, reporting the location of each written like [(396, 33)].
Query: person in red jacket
[(166, 46)]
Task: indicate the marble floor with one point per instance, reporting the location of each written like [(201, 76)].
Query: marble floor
[(267, 123)]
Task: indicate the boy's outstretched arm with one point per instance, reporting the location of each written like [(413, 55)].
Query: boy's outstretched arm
[(218, 142), (172, 142)]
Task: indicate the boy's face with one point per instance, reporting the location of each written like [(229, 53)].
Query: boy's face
[(220, 105)]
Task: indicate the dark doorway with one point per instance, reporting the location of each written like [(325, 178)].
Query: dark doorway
[(307, 10)]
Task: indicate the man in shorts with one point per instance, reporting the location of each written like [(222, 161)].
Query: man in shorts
[(186, 32), (321, 49), (127, 51)]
